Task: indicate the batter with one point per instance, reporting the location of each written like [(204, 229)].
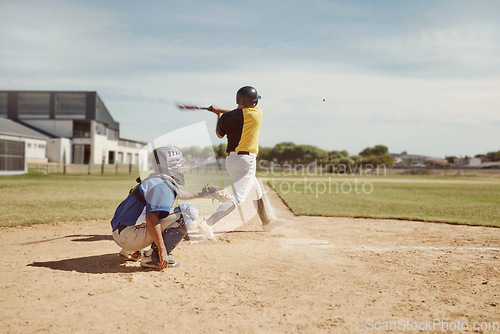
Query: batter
[(242, 127)]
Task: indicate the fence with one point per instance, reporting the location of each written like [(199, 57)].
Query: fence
[(50, 167)]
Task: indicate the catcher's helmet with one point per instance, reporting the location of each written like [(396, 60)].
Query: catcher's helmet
[(247, 96), (169, 160)]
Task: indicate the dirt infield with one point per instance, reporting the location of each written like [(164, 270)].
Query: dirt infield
[(312, 274)]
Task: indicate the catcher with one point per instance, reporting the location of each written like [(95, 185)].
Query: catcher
[(147, 217)]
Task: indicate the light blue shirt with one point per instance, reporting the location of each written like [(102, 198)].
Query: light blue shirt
[(159, 197)]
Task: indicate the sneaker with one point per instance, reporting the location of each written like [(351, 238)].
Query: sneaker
[(127, 256), (207, 231), (147, 262)]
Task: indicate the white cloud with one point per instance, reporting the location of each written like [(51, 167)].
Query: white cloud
[(427, 81), (465, 51)]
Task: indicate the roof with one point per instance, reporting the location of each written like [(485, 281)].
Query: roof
[(11, 128), (133, 141), (103, 115), (95, 109), (440, 163)]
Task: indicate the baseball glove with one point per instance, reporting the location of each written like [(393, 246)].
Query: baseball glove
[(215, 193)]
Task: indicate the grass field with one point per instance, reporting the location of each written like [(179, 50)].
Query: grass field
[(42, 198), (428, 174), (38, 198), (472, 204)]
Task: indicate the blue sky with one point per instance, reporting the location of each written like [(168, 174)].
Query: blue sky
[(420, 76)]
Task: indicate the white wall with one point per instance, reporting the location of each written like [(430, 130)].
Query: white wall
[(474, 162), (52, 150), (101, 146), (36, 150), (59, 149)]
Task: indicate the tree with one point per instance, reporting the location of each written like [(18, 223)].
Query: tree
[(451, 159), (284, 152), (305, 154), (265, 154), (493, 156), (220, 151), (332, 155), (192, 153), (376, 155), (377, 150)]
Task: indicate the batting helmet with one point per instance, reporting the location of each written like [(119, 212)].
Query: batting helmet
[(247, 96), (169, 160)]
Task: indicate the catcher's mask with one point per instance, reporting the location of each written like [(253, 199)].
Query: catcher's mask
[(169, 160), (247, 96)]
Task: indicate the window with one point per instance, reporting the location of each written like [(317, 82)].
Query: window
[(100, 129), (3, 105), (81, 154), (70, 105), (33, 105), (111, 157), (112, 134), (81, 130), (119, 159), (11, 155)]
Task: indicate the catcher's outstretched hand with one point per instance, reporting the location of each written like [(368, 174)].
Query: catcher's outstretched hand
[(215, 193)]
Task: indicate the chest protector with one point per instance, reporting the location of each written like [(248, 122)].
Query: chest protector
[(167, 179)]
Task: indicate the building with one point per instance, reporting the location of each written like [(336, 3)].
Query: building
[(405, 160), (16, 143), (77, 126)]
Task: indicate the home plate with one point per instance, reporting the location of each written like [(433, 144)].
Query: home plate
[(304, 242)]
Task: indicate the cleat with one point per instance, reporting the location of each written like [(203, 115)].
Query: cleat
[(127, 256), (146, 253), (207, 231), (148, 263)]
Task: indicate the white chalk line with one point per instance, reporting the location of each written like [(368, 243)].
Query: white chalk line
[(267, 202), (324, 244), (423, 248)]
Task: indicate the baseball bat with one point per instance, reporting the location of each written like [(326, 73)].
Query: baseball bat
[(191, 107)]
